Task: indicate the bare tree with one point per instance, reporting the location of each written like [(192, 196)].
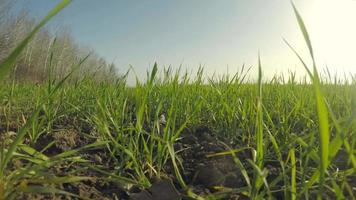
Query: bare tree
[(33, 63)]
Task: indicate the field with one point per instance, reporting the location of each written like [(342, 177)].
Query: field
[(108, 139), (177, 136)]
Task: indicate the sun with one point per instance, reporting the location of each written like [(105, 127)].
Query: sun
[(332, 28)]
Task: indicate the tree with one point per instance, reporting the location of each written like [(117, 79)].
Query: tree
[(33, 64)]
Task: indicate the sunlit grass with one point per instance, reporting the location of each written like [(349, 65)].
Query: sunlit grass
[(290, 121), (295, 127)]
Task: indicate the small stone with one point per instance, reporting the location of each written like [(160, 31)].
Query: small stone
[(162, 120)]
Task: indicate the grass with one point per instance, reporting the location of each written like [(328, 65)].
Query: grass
[(127, 120), (128, 137)]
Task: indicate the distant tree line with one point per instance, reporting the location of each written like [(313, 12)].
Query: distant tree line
[(48, 52)]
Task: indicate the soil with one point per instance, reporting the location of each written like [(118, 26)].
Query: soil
[(203, 175), (204, 171)]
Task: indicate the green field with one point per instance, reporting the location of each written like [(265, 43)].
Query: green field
[(177, 135), (113, 133)]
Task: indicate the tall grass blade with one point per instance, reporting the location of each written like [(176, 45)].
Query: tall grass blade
[(321, 107), (8, 63), (258, 180), (293, 174), (259, 119), (304, 31)]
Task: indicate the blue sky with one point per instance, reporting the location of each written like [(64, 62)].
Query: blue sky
[(218, 34)]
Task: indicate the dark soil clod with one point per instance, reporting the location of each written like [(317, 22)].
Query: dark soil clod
[(202, 172), (161, 190)]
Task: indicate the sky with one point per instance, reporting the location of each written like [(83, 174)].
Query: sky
[(220, 35)]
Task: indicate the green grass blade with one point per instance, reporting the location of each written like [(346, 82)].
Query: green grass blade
[(8, 63), (304, 31), (175, 165), (337, 190), (300, 59), (258, 179), (321, 107), (324, 133), (18, 140), (153, 73), (259, 119), (75, 151), (74, 68), (293, 174), (29, 150), (262, 174), (61, 180)]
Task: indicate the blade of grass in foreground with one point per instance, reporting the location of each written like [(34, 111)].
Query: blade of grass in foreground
[(293, 174), (321, 106), (259, 135), (23, 130), (176, 168), (9, 62)]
